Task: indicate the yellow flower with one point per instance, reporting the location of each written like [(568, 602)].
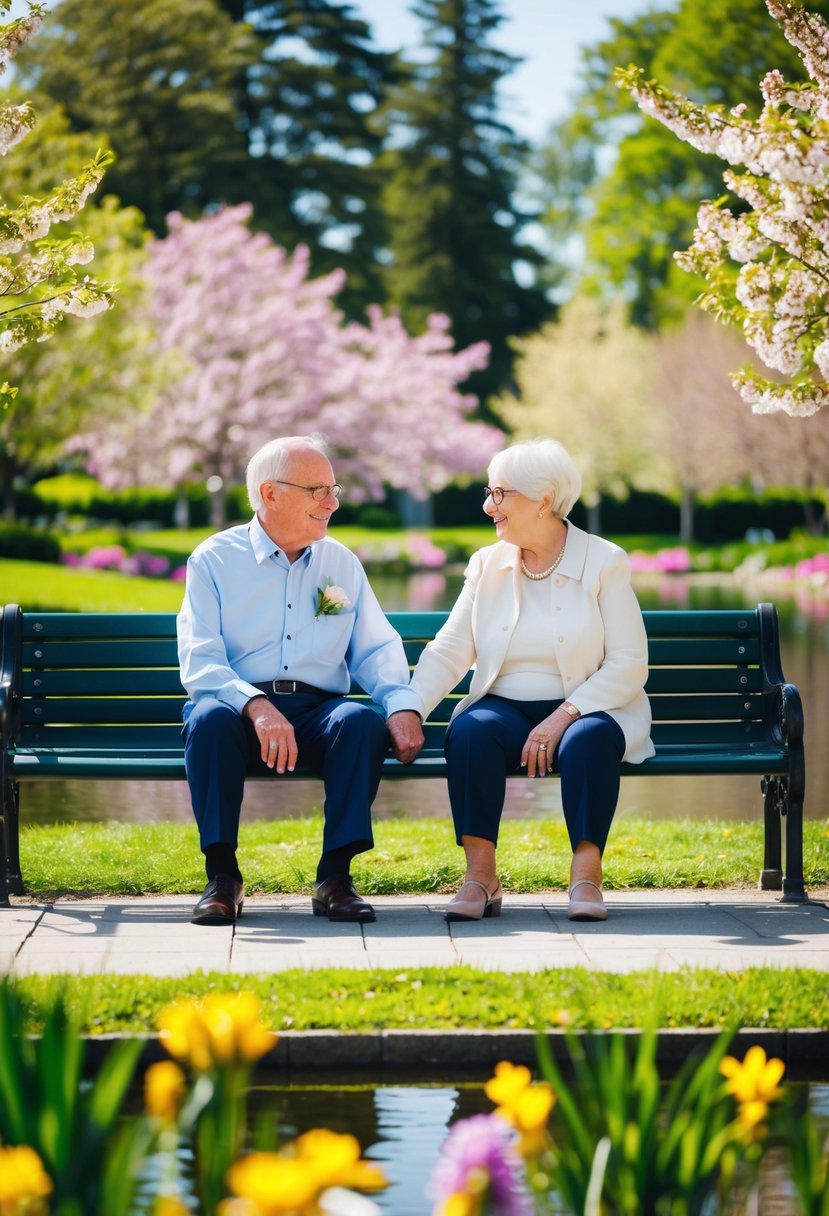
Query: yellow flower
[(335, 1160), (508, 1084), (222, 1029), (24, 1183), (170, 1205), (749, 1121), (271, 1185), (461, 1203), (756, 1079), (164, 1089), (528, 1114)]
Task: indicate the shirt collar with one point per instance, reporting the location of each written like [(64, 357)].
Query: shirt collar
[(264, 546)]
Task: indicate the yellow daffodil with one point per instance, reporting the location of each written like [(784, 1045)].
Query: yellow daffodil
[(170, 1205), (164, 1089), (528, 1114), (224, 1028), (335, 1160), (24, 1183), (749, 1122), (756, 1079), (508, 1084), (461, 1203), (272, 1185)]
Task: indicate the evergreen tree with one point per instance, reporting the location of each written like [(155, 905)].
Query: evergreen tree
[(455, 229), (157, 79), (309, 106)]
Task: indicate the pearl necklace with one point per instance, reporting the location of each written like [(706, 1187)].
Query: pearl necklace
[(536, 578)]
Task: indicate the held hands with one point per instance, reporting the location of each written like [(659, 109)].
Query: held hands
[(542, 741), (406, 734), (275, 734)]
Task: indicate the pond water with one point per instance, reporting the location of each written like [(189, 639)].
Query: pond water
[(805, 652), (402, 1127)]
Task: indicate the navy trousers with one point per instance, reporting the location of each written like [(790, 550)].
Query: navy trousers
[(343, 742), (483, 747)]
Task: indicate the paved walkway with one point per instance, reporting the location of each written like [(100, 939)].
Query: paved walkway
[(729, 930)]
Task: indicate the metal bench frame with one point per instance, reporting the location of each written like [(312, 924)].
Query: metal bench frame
[(98, 696)]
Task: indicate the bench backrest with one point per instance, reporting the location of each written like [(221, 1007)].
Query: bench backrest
[(110, 680)]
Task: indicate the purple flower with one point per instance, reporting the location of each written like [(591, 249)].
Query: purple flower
[(482, 1146)]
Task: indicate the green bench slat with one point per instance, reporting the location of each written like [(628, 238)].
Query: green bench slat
[(96, 653)]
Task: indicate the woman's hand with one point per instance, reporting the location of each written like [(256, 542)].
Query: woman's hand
[(542, 741)]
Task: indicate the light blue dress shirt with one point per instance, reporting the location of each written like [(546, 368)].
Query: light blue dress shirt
[(249, 615)]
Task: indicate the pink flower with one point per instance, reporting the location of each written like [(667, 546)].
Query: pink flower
[(479, 1157)]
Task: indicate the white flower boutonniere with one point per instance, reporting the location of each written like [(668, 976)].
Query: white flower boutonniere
[(331, 600)]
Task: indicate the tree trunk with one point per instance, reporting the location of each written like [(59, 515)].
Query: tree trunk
[(7, 463), (686, 517), (218, 508), (181, 512), (594, 515)]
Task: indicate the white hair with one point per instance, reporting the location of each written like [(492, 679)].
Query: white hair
[(271, 462), (537, 467)]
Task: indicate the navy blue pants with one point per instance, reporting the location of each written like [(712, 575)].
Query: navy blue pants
[(483, 748), (343, 742)]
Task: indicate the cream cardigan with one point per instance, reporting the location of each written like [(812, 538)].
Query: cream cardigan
[(596, 630)]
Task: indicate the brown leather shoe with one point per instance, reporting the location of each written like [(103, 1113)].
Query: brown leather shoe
[(221, 902), (337, 899)]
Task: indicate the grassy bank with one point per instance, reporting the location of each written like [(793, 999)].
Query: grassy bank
[(457, 998), (409, 856)]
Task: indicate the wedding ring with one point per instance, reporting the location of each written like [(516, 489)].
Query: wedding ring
[(542, 747)]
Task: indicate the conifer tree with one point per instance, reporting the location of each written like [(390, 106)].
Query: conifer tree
[(455, 228), (309, 105)]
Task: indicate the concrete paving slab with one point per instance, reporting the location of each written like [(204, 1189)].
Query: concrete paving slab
[(727, 930)]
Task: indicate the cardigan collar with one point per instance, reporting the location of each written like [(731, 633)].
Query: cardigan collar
[(572, 563)]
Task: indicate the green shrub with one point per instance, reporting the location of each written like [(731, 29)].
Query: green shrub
[(28, 544)]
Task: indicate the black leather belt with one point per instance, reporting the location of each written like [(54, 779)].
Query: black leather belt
[(290, 686)]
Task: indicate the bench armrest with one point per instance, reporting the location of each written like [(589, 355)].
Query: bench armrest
[(10, 674)]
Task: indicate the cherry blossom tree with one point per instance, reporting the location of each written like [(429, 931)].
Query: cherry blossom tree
[(584, 379), (263, 351), (39, 277), (766, 266)]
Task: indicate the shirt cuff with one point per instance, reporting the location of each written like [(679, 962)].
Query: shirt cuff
[(404, 698), (239, 694)]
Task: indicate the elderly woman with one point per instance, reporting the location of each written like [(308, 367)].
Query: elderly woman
[(549, 620)]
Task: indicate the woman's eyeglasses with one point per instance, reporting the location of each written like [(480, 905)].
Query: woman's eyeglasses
[(318, 493), (496, 493)]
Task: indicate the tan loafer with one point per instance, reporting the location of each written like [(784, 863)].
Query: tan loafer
[(586, 909), (473, 901)]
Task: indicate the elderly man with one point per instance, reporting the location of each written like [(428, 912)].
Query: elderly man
[(277, 619)]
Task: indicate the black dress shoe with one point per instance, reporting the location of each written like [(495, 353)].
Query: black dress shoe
[(221, 902), (337, 899)]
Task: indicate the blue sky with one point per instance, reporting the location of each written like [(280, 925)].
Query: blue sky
[(547, 33)]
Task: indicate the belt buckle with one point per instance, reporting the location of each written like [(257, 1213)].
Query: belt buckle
[(284, 686)]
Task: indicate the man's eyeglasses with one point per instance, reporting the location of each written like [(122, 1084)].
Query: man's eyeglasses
[(318, 493), (496, 493)]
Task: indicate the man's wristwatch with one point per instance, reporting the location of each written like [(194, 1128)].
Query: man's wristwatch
[(570, 709)]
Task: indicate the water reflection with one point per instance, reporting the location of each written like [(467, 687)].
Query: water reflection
[(804, 626), (403, 1127)]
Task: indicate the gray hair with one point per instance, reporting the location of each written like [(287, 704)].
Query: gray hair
[(272, 461), (537, 467)]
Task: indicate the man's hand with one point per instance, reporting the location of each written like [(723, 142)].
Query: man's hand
[(275, 734), (406, 734)]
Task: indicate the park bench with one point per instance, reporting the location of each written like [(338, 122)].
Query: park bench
[(98, 696)]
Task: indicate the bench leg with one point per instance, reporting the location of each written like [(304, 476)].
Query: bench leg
[(11, 880), (771, 875), (794, 890)]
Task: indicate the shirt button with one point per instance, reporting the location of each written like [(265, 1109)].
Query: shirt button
[(505, 628), (561, 637), (288, 636)]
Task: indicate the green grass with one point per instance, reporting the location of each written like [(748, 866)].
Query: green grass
[(43, 587), (456, 999), (410, 856)]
